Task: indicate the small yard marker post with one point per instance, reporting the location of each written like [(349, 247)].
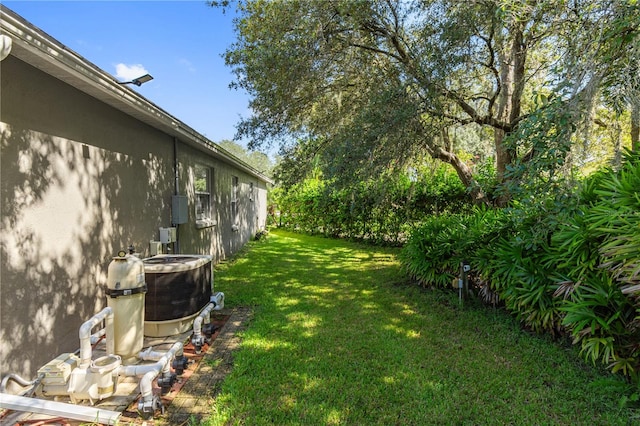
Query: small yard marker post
[(463, 281)]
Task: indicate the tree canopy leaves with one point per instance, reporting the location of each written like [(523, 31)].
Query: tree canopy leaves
[(373, 84)]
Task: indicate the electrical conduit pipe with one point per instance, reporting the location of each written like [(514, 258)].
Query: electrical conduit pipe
[(22, 382)]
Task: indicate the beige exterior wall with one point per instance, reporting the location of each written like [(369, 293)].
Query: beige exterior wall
[(81, 180), (221, 239)]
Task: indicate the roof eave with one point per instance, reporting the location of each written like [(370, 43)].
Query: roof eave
[(36, 48)]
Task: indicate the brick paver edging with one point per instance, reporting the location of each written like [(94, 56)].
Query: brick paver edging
[(195, 399)]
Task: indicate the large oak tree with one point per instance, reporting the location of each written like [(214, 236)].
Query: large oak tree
[(371, 84)]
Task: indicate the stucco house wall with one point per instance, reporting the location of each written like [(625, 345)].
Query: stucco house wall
[(88, 168), (222, 238)]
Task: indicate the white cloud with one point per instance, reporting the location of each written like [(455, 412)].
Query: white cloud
[(187, 64), (129, 72)]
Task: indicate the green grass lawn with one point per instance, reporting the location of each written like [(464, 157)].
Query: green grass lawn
[(340, 337)]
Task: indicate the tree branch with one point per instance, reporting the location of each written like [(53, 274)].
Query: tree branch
[(492, 67), (600, 123), (376, 50), (473, 114)]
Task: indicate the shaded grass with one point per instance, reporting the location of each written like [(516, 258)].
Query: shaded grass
[(338, 337)]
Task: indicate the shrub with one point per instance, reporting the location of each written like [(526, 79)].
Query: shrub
[(566, 266), (518, 269), (435, 249), (381, 210), (558, 264), (599, 252)]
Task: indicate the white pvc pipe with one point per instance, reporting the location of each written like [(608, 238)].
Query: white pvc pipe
[(140, 370), (59, 409), (146, 392), (218, 299), (95, 337), (150, 371), (151, 355), (197, 324), (85, 335)]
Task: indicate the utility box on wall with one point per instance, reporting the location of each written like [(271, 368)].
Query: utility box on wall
[(168, 235), (155, 248), (179, 209)]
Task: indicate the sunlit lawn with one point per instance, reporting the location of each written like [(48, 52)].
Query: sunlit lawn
[(340, 337)]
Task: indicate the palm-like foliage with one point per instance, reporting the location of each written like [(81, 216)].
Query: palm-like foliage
[(432, 254), (436, 248), (571, 267), (618, 218), (522, 276), (599, 248)]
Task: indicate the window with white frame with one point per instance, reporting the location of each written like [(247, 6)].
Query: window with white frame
[(202, 180)]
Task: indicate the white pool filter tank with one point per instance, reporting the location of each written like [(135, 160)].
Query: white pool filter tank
[(126, 290)]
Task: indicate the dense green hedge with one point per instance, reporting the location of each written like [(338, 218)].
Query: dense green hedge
[(569, 264), (381, 211)]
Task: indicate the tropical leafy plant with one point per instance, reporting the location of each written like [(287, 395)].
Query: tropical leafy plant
[(618, 218), (600, 251), (517, 272), (602, 320), (433, 253)]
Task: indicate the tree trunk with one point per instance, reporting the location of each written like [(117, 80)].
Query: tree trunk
[(504, 156), (616, 136), (512, 81), (464, 173)]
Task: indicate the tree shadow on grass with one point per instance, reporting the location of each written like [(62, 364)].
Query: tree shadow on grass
[(336, 341)]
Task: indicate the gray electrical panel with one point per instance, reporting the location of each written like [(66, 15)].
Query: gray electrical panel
[(179, 209)]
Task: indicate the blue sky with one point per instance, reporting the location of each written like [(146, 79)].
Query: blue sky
[(180, 43)]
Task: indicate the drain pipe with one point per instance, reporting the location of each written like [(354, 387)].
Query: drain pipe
[(176, 175), (85, 335), (148, 403), (59, 409)]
